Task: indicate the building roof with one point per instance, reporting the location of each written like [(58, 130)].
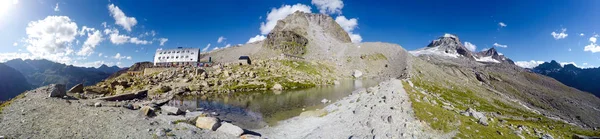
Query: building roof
[(244, 57)]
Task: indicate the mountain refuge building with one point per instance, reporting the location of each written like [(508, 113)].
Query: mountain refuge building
[(179, 57)]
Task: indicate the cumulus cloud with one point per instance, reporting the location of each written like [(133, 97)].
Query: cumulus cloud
[(92, 41), (329, 6), (257, 38), (593, 46), (51, 38), (135, 40), (560, 35), (99, 54), (500, 45), (501, 24), (56, 9), (227, 46), (10, 56), (582, 34), (528, 64), (120, 18), (349, 25), (119, 57), (221, 39), (95, 64), (567, 63), (206, 48), (280, 13), (470, 46), (162, 41), (15, 44)]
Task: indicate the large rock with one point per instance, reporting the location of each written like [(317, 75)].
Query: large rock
[(357, 73), (230, 129), (210, 123), (277, 87), (481, 118), (129, 96), (76, 89), (171, 110), (147, 111), (57, 90)]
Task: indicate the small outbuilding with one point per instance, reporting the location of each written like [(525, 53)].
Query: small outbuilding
[(244, 60)]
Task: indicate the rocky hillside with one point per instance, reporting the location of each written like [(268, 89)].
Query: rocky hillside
[(292, 34), (491, 55), (43, 72), (12, 83), (582, 79)]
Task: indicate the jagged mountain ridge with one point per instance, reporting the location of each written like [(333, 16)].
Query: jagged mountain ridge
[(43, 72), (450, 45), (12, 82), (582, 79)]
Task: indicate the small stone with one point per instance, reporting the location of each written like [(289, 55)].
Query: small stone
[(147, 111), (160, 132), (210, 123), (249, 136), (171, 110), (191, 132), (97, 104)]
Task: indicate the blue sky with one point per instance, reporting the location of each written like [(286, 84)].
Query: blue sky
[(38, 29)]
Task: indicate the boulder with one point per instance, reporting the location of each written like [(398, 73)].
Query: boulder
[(230, 129), (277, 87), (210, 123), (57, 90), (171, 110), (76, 89), (147, 111), (357, 74), (97, 104), (128, 96)]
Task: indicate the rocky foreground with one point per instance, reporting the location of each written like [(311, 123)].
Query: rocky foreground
[(383, 111)]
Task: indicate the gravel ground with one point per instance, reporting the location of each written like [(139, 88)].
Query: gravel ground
[(384, 111), (38, 116)]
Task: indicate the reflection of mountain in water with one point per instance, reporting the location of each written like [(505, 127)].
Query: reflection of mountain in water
[(256, 109)]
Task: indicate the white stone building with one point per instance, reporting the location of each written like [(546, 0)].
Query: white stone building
[(177, 57)]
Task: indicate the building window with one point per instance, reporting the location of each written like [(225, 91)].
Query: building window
[(187, 56)]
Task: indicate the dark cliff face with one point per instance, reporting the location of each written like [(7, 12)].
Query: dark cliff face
[(12, 82), (492, 52), (583, 79)]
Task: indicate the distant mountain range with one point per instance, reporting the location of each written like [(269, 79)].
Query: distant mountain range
[(12, 82), (43, 72), (450, 46), (582, 79)]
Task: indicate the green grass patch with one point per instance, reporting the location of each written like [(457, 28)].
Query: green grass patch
[(301, 66), (373, 57), (7, 103)]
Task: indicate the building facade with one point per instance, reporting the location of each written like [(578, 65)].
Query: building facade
[(179, 57)]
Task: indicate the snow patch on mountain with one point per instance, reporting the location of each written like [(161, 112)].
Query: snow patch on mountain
[(486, 59), (433, 51)]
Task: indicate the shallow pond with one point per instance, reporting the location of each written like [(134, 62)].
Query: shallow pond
[(252, 110)]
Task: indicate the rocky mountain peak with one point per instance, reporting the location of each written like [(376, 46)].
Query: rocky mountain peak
[(490, 52), (449, 45), (292, 34)]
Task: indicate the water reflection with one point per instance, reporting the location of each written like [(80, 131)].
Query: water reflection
[(257, 109)]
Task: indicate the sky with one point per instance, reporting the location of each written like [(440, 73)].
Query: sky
[(113, 32)]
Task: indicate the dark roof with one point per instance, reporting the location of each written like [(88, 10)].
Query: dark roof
[(244, 57)]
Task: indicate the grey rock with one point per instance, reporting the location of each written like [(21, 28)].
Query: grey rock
[(357, 74), (249, 136), (57, 90), (171, 110), (547, 136), (277, 87), (147, 111), (230, 129), (209, 123), (161, 132), (97, 104)]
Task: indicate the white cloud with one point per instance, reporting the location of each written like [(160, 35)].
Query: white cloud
[(484, 49), (95, 64), (257, 38), (162, 41), (567, 63), (51, 38), (560, 35), (280, 13), (582, 34), (56, 8), (135, 40), (119, 57), (92, 41), (216, 48), (470, 46), (227, 46), (120, 18), (349, 25), (500, 45), (104, 25), (10, 56), (569, 49), (115, 37), (15, 44), (329, 6), (592, 47), (99, 54), (221, 39), (528, 64), (501, 24), (206, 48)]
